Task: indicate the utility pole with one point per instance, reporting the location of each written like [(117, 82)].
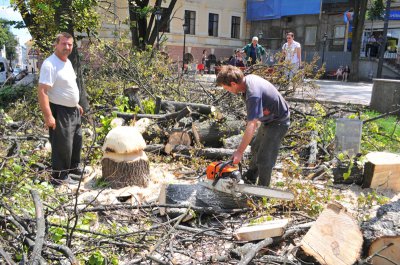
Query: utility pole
[(383, 45)]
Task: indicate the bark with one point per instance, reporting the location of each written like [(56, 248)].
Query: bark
[(212, 133), (127, 173)]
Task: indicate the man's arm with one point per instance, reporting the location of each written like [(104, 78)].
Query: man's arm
[(45, 106), (248, 135)]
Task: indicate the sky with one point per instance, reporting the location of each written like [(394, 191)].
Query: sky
[(7, 12)]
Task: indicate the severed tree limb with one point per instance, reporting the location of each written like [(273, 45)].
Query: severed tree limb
[(64, 250), (161, 240), (41, 226), (6, 257), (254, 250), (200, 108), (176, 116)]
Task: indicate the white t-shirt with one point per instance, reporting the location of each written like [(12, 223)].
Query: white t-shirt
[(290, 50), (61, 77)]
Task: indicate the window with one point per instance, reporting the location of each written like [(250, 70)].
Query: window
[(166, 26), (213, 25), (338, 35), (235, 31), (311, 35), (190, 21)]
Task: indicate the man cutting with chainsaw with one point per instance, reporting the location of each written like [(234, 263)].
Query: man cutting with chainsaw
[(265, 105)]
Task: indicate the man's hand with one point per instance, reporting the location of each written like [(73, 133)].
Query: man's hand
[(80, 109), (237, 157), (50, 122)]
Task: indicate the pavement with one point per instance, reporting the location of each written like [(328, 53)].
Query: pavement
[(329, 91), (344, 92)]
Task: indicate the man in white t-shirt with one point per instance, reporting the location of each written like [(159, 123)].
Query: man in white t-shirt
[(292, 52), (58, 96)]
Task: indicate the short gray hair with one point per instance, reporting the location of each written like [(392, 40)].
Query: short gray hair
[(254, 38)]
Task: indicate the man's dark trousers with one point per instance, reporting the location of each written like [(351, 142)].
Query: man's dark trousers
[(65, 140), (264, 150)]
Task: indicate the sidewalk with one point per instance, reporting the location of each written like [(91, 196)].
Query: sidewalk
[(344, 92)]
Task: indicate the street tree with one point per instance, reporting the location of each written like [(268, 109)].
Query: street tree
[(8, 39), (360, 9), (143, 29)]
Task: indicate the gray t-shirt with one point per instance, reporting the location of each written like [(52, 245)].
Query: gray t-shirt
[(264, 102), (61, 77)]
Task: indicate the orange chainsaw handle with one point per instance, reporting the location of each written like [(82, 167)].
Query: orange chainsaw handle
[(224, 164)]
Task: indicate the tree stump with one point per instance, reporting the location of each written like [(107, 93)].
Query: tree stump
[(124, 162)]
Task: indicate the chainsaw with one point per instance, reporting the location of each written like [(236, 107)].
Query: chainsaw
[(227, 177)]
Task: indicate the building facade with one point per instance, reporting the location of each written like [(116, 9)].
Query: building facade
[(213, 26)]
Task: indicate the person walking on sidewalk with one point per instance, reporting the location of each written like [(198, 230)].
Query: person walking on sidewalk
[(265, 105), (292, 53), (58, 96)]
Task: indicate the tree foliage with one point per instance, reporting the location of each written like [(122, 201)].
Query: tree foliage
[(376, 11), (7, 39)]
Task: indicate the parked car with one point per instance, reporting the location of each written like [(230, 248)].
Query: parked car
[(4, 70)]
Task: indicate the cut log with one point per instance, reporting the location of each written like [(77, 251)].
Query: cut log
[(385, 250), (382, 171), (212, 133), (335, 238), (200, 108), (261, 231), (177, 138), (199, 196), (382, 230)]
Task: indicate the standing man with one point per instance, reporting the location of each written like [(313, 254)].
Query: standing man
[(265, 105), (58, 95), (292, 52), (254, 52)]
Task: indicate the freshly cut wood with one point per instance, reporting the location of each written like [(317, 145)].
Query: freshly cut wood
[(261, 231), (199, 196), (200, 108), (388, 249), (382, 230), (212, 133), (382, 170), (177, 138), (335, 238)]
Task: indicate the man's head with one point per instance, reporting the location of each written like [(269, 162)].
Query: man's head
[(63, 45), (230, 78), (254, 40)]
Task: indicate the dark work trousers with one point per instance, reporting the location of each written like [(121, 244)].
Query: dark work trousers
[(65, 140), (264, 150)]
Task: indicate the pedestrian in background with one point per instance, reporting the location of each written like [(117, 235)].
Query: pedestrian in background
[(292, 53), (346, 72), (236, 59), (254, 52), (58, 96)]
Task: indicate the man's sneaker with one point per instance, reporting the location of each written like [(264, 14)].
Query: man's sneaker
[(67, 181), (78, 173)]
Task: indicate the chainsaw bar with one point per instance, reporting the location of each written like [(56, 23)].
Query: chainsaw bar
[(232, 187)]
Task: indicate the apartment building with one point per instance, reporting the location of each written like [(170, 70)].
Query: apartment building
[(214, 26)]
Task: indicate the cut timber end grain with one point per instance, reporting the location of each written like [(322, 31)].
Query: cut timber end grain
[(261, 231), (382, 171), (335, 238), (388, 247)]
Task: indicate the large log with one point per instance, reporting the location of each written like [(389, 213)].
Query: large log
[(335, 238), (382, 234), (199, 196), (169, 116), (382, 170), (212, 133), (209, 153), (200, 108)]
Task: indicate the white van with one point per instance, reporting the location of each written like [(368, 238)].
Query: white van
[(4, 70)]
